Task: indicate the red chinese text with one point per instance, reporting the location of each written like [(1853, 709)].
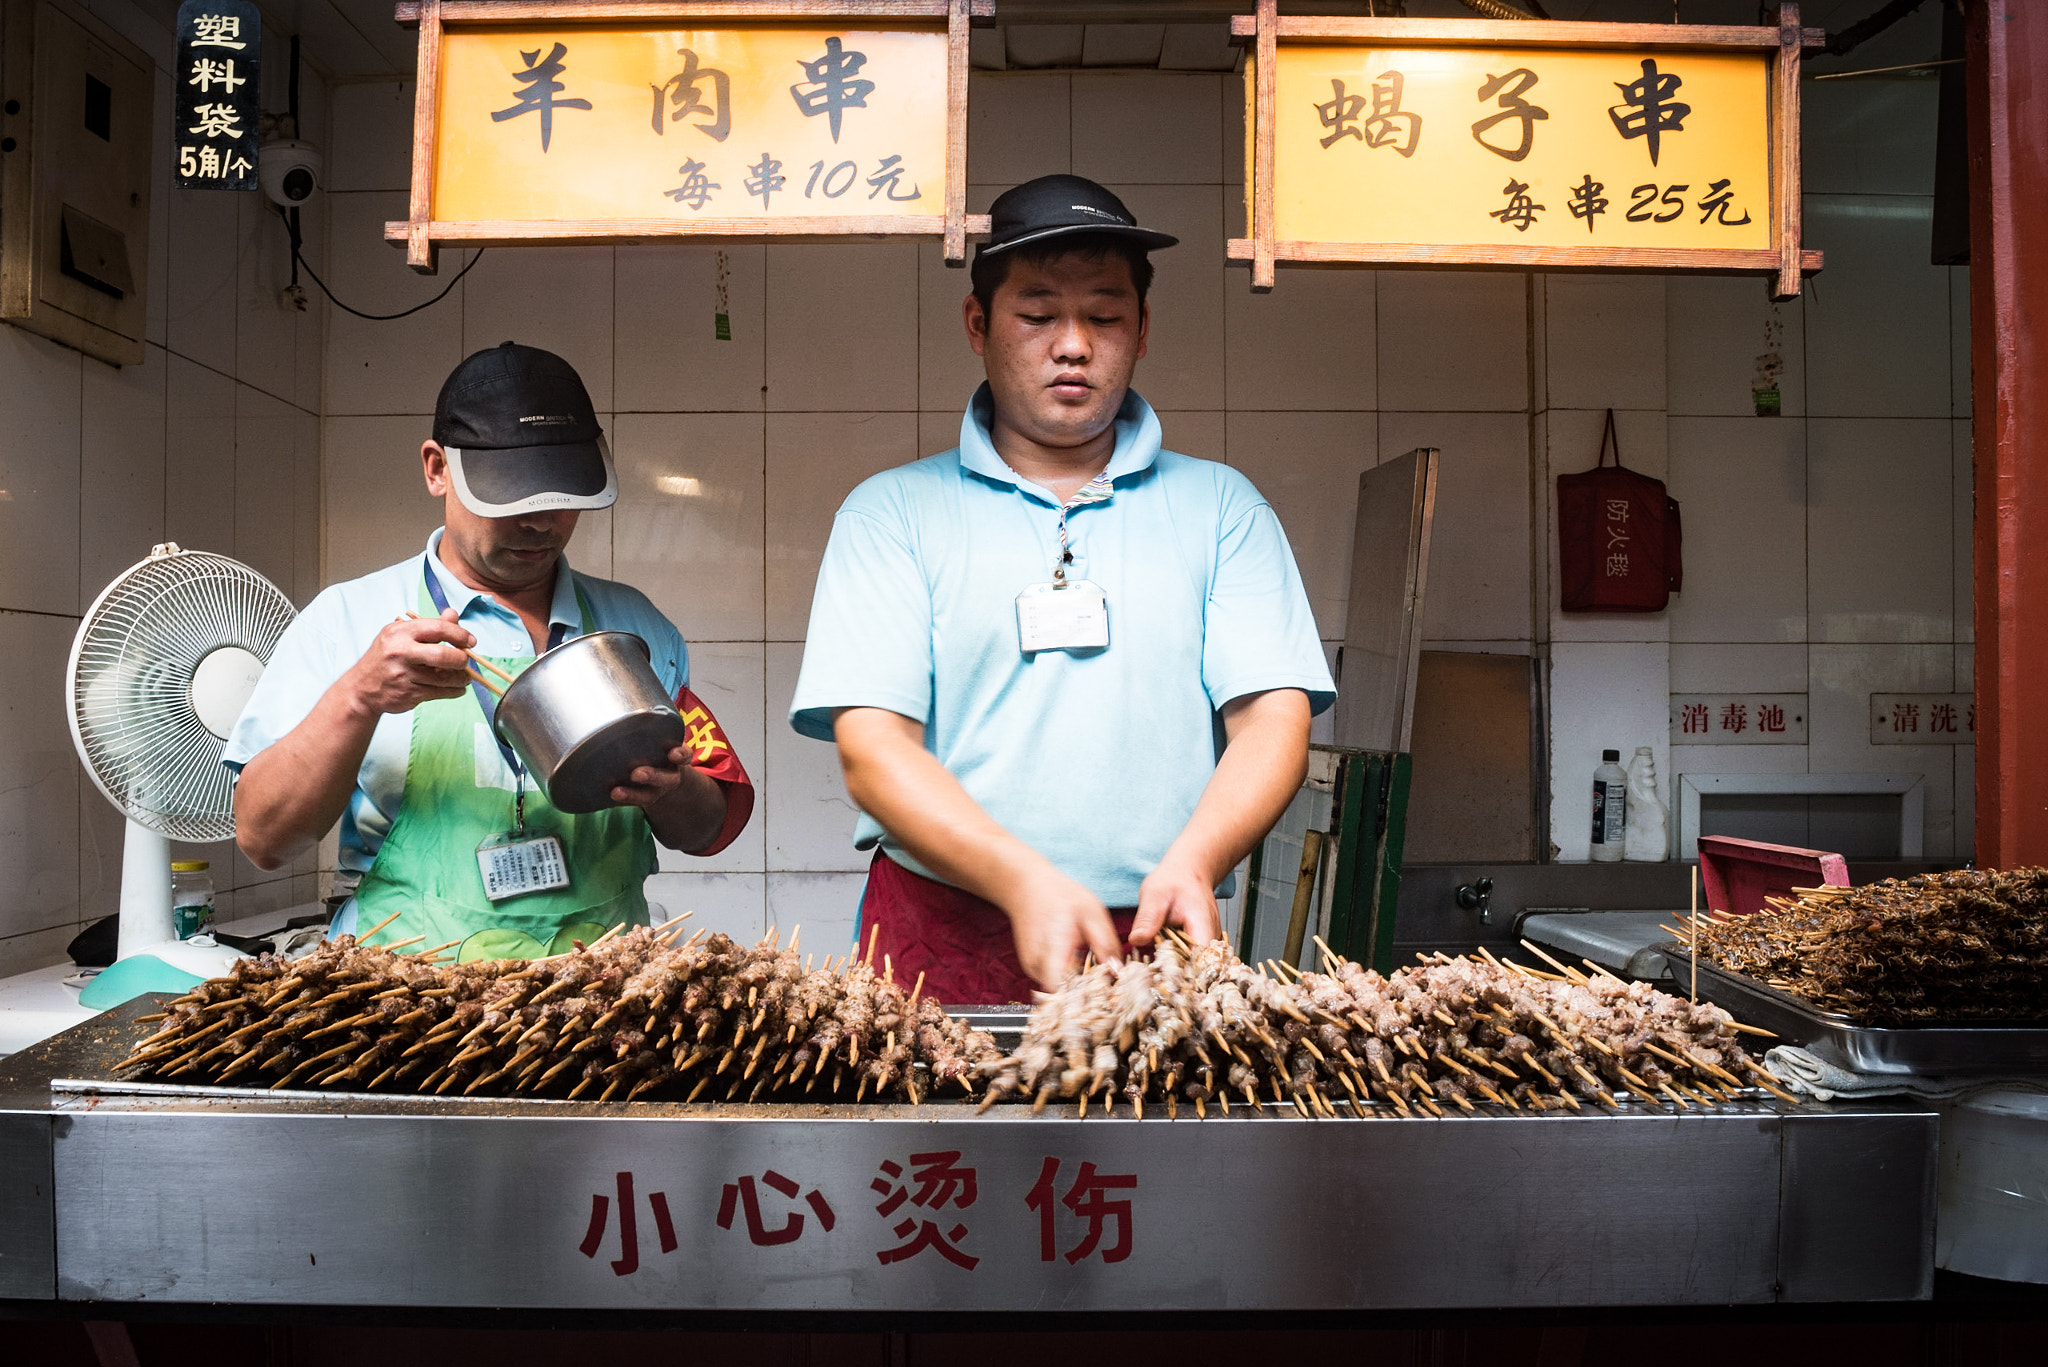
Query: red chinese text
[(744, 1196), (628, 1261), (936, 1181), (1087, 1200)]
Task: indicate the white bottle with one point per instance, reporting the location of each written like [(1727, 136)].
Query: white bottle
[(1648, 836), (1610, 808)]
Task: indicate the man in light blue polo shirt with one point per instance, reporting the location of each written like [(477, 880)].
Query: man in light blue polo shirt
[(369, 713), (1067, 671)]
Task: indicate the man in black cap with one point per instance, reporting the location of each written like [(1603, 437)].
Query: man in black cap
[(370, 713), (1069, 673)]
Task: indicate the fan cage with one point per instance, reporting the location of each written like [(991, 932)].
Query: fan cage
[(130, 687)]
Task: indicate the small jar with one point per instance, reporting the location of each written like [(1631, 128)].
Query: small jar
[(191, 897)]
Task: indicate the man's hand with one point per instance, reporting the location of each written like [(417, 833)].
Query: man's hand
[(1053, 922), (1175, 894), (651, 783), (684, 805), (411, 662), (894, 779)]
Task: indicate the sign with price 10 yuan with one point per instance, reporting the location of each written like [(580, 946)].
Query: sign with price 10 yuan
[(1532, 145), (593, 121)]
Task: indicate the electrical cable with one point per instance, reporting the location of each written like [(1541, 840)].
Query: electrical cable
[(299, 263), (1854, 36)]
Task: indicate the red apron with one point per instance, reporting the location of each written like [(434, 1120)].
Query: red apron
[(960, 943)]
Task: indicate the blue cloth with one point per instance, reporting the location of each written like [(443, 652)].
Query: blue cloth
[(338, 626), (1094, 758)]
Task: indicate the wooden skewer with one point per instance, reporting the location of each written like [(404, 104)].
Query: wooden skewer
[(1571, 974), (380, 925), (1695, 947)]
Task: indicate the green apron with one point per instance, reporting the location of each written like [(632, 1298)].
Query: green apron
[(426, 869)]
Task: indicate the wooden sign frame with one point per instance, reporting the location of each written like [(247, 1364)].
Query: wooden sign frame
[(421, 234), (1785, 258)]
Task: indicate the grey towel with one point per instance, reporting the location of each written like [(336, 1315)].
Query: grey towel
[(1805, 1072)]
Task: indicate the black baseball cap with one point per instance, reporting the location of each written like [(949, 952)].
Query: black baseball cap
[(1062, 206), (521, 435)]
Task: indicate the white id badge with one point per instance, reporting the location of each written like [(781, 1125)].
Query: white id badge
[(1055, 617), (513, 865)]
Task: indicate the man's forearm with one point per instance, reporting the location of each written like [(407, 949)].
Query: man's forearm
[(290, 794), (1261, 768), (902, 785)]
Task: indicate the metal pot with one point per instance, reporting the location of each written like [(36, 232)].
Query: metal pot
[(586, 714)]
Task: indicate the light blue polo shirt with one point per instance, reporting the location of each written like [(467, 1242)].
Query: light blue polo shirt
[(1096, 759), (338, 626)]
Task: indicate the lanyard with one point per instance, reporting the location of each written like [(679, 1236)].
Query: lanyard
[(556, 635), (1096, 490)]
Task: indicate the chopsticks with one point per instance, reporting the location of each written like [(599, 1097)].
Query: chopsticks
[(496, 689)]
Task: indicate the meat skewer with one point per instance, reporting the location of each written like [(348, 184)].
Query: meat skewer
[(637, 1014)]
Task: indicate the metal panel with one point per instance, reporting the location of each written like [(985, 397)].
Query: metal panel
[(1383, 623), (28, 1238), (1859, 1200), (1268, 1213)]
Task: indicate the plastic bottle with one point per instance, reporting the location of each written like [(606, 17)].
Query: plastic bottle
[(1648, 833), (1610, 808), (191, 897)]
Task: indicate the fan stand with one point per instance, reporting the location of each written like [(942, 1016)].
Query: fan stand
[(145, 890), (149, 958)]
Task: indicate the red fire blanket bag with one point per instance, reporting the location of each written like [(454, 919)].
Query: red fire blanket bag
[(1617, 537)]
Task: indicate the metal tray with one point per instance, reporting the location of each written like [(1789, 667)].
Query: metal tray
[(1928, 1050)]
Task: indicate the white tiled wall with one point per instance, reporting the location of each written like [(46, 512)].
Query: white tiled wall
[(847, 359), (213, 441), (1828, 550)]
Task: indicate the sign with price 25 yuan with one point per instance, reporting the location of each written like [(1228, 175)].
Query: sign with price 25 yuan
[(1539, 145)]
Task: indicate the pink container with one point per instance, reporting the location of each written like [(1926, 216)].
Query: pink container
[(1739, 874)]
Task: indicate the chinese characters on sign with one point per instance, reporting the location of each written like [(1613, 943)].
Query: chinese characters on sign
[(1738, 719), (831, 86), (682, 93), (539, 91), (1080, 1213), (588, 123), (217, 104), (1681, 137), (1923, 719), (744, 1193), (936, 1180), (1087, 1201), (628, 1261)]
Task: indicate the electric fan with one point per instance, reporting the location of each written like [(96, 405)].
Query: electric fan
[(162, 666)]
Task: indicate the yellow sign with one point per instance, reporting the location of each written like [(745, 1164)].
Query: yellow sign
[(619, 121), (573, 122), (1553, 146), (1493, 147)]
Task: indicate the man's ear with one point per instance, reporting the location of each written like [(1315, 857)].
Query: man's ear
[(434, 464), (1144, 329), (976, 319)]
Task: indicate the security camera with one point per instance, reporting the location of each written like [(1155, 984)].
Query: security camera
[(290, 171)]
